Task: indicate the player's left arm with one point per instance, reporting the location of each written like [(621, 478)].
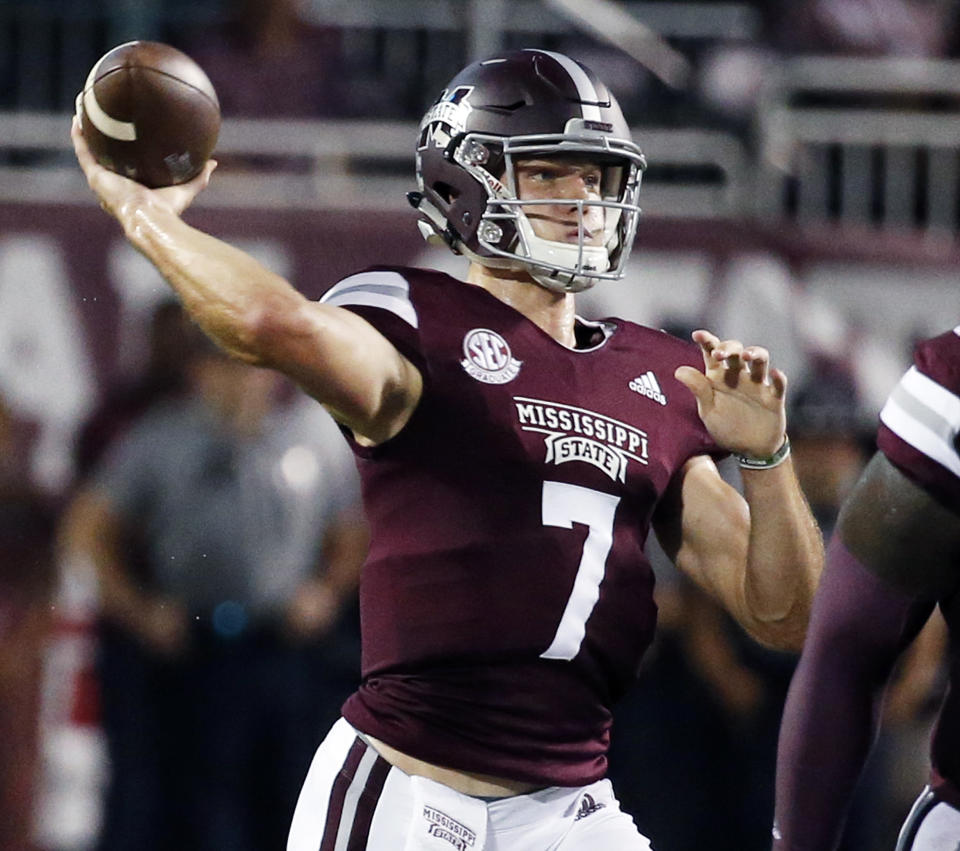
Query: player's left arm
[(760, 554)]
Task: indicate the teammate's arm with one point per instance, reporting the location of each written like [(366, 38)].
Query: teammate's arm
[(760, 554), (257, 316), (895, 551)]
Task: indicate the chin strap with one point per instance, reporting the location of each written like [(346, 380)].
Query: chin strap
[(433, 228)]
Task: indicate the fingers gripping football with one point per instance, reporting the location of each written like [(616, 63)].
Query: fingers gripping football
[(113, 191), (740, 397)]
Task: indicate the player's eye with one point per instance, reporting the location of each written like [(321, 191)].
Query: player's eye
[(543, 175), (539, 172), (593, 179)]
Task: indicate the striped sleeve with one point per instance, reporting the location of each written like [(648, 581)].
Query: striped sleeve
[(387, 290), (920, 422), (383, 298)]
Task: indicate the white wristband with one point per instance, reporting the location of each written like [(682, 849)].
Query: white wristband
[(775, 460)]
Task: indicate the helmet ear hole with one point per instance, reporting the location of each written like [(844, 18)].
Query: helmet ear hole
[(447, 192)]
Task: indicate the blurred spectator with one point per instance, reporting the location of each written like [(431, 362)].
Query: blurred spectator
[(694, 748), (831, 437), (909, 28), (267, 61), (223, 528), (26, 531), (72, 775), (733, 75), (125, 400), (676, 751)]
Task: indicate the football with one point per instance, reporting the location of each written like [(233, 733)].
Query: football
[(150, 113)]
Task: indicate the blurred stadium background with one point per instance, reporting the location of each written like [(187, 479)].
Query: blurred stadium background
[(803, 193)]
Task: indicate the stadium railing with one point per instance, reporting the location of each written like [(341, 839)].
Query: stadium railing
[(356, 164), (872, 142)]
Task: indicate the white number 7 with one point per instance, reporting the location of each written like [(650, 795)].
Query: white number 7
[(564, 505)]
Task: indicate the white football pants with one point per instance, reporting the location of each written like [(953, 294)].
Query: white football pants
[(354, 800), (931, 826)]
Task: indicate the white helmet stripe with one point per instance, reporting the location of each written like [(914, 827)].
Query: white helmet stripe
[(585, 88)]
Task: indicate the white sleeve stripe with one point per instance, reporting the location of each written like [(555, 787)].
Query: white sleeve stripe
[(924, 415), (386, 290), (397, 306), (932, 395), (919, 436), (390, 291), (379, 279)]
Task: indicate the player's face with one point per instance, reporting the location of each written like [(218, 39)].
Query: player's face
[(562, 178)]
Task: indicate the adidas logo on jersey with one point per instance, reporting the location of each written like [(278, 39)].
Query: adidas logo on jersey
[(647, 385), (588, 806)]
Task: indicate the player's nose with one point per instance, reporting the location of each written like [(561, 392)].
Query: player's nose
[(577, 188)]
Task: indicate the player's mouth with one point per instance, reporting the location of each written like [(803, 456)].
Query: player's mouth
[(572, 234)]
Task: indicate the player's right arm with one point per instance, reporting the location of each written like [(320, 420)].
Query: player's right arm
[(895, 551), (256, 315)]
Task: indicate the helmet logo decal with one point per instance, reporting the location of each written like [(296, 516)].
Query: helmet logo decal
[(602, 126), (451, 109), (458, 94), (487, 357)]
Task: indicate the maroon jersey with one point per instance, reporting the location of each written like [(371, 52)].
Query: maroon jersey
[(919, 428), (506, 601)]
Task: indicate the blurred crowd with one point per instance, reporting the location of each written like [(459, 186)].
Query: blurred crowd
[(213, 521), (264, 49), (259, 53), (214, 516)]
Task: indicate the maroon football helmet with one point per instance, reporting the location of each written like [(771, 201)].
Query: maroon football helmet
[(529, 103)]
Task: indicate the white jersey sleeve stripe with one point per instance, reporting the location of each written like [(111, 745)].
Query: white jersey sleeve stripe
[(932, 395), (925, 415), (386, 290)]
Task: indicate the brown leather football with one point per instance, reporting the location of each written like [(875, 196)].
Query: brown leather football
[(150, 113)]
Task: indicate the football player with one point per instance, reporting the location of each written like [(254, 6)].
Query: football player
[(514, 458), (894, 557)]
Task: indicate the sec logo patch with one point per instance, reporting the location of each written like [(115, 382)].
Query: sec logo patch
[(487, 357)]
